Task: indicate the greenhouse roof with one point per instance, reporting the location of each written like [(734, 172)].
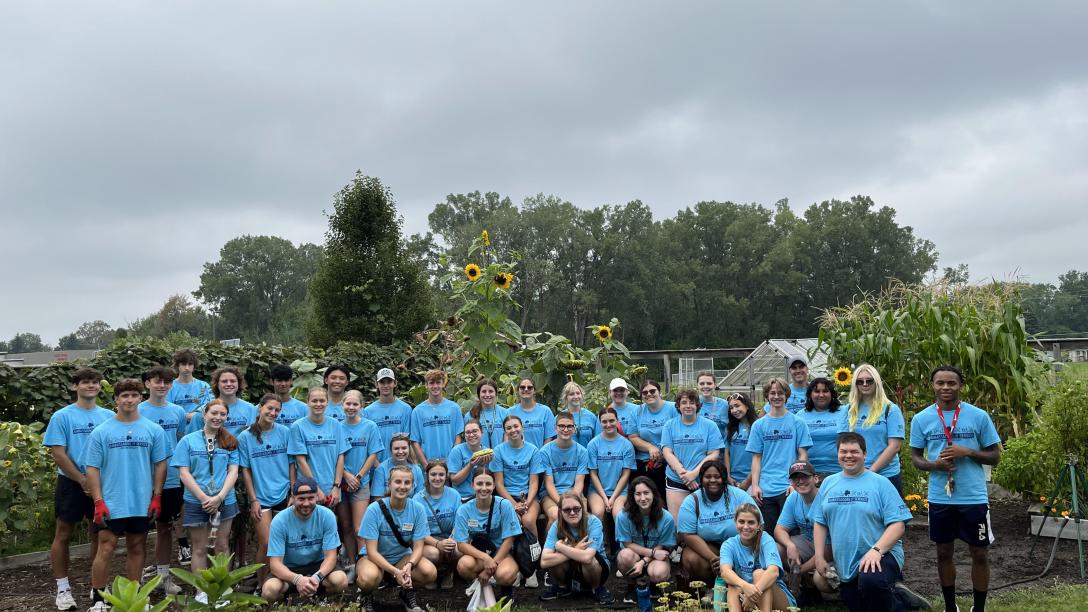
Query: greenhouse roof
[(772, 358)]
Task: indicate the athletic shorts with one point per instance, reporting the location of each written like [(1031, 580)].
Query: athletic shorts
[(277, 507), (970, 523), (194, 515), (676, 485), (362, 494), (129, 524), (805, 547), (171, 505), (308, 570), (70, 503)]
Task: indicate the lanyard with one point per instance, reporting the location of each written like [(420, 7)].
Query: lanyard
[(948, 431)]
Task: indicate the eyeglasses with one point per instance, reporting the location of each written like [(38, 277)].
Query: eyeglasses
[(564, 426), (572, 510), (649, 391), (525, 387), (864, 382)]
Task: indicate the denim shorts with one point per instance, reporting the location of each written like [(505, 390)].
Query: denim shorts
[(193, 515)]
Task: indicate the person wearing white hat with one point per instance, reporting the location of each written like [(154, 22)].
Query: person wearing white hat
[(391, 415), (626, 412)]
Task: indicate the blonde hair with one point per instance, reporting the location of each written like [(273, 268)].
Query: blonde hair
[(876, 406), (567, 388), (356, 394)]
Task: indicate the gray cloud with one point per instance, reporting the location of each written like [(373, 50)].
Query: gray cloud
[(138, 138)]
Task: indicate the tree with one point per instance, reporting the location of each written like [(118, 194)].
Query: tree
[(26, 342), (259, 287), (90, 335), (367, 286), (178, 314)]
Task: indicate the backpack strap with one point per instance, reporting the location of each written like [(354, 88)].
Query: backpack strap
[(393, 525)]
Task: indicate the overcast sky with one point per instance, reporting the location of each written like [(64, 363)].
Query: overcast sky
[(137, 137)]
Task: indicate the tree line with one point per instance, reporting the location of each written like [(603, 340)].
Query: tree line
[(714, 274)]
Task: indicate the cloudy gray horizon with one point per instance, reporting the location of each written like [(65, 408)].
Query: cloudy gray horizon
[(138, 138)]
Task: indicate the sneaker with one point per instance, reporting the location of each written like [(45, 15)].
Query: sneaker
[(603, 597), (366, 602), (794, 582), (508, 593), (202, 597), (66, 601), (409, 600), (168, 586), (554, 591), (910, 599), (630, 597), (530, 582), (99, 606), (185, 555), (676, 552), (350, 571), (447, 581)]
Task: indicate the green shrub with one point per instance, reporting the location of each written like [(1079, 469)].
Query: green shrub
[(26, 480)]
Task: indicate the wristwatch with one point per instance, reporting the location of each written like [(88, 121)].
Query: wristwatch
[(320, 577), (877, 549)]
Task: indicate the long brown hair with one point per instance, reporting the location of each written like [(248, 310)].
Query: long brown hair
[(563, 530), (634, 512), (223, 438), (255, 428), (477, 407)]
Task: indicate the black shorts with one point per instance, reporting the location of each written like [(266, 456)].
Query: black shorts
[(70, 503), (171, 505), (970, 523), (279, 507), (308, 570), (676, 485), (129, 524)]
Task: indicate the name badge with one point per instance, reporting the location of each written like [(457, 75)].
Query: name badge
[(407, 526), (473, 523)]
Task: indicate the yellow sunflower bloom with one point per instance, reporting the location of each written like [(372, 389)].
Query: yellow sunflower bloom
[(843, 376), (603, 332), (503, 280), (486, 238), (472, 272)]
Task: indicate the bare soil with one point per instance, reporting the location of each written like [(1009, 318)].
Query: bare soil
[(32, 588)]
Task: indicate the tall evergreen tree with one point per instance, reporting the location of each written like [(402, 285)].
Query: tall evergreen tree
[(368, 286)]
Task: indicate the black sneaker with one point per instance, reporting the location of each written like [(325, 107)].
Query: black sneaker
[(630, 596), (603, 597), (555, 591), (185, 555), (408, 598), (507, 592), (910, 599)]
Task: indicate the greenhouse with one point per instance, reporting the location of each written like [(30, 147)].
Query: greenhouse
[(772, 358)]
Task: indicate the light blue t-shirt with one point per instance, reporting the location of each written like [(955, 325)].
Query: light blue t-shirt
[(586, 426), (537, 424), (595, 534), (778, 439), (303, 542), (71, 427), (690, 442), (715, 522), (516, 464), (435, 427), (240, 414), (796, 401), (662, 533), (797, 514), (650, 424), (379, 484), (856, 511), (125, 454), (740, 460), (563, 465), (974, 430), (392, 418), (322, 446), (291, 411), (491, 424), (889, 425), (268, 463), (470, 521), (412, 522), (610, 458), (335, 410), (736, 555), (192, 452), (364, 440), (441, 512), (823, 427), (717, 410), (191, 395), (627, 415), (171, 418), (459, 457)]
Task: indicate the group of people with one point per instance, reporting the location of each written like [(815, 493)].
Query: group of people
[(805, 498)]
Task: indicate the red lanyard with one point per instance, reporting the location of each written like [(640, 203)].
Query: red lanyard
[(948, 431)]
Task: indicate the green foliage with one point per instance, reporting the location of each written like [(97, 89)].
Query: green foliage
[(26, 342), (502, 605), (366, 287), (1031, 463), (907, 330), (218, 582), (26, 480), (1059, 309), (178, 315), (90, 335), (128, 596)]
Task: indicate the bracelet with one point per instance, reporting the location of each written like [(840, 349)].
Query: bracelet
[(878, 551), (296, 579)]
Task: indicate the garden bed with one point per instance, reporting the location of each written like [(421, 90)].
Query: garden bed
[(32, 588)]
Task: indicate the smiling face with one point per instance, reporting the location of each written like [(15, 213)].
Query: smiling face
[(574, 398), (651, 395), (270, 411), (737, 408), (473, 434), (803, 484), (386, 386), (798, 373), (776, 396), (513, 430), (305, 503), (228, 385), (487, 395), (336, 381), (128, 402), (400, 484), (946, 386), (687, 407), (865, 382), (399, 450), (526, 390), (821, 396), (851, 458), (747, 526), (352, 406), (157, 388), (215, 415), (435, 389), (88, 389), (712, 480), (436, 477), (706, 386), (484, 485), (317, 401), (619, 396), (644, 497), (564, 429), (608, 423)]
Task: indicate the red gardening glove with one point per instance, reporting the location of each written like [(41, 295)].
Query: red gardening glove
[(154, 509), (100, 513)]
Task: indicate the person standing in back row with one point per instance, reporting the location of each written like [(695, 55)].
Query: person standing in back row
[(777, 441), (952, 440)]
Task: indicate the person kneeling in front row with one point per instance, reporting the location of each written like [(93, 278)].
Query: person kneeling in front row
[(302, 544), (574, 551)]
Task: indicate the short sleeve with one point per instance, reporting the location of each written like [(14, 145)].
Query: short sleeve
[(666, 436), (460, 524), (629, 456), (232, 458), (768, 552), (243, 450), (788, 518), (729, 552), (296, 445), (591, 451), (553, 536), (181, 454), (686, 517), (539, 463), (56, 433), (368, 530), (161, 451), (755, 438), (987, 432), (917, 436), (623, 528), (804, 438), (817, 511), (549, 425), (596, 535), (511, 525), (714, 436), (342, 444), (496, 464), (420, 527), (277, 539), (331, 538), (667, 530), (583, 461), (92, 453), (897, 427)]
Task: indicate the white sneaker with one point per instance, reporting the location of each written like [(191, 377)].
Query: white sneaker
[(99, 606), (65, 600), (168, 586), (531, 582)]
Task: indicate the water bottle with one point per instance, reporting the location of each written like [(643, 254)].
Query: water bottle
[(719, 593), (642, 594), (216, 519), (832, 576)]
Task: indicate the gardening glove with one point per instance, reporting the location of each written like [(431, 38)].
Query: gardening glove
[(155, 507), (100, 513)]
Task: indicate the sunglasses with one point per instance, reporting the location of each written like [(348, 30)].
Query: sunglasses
[(649, 391), (734, 396), (525, 387), (572, 510), (865, 382)]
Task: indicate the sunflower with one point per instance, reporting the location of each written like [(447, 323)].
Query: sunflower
[(843, 376), (486, 238), (503, 280), (472, 272), (603, 332)]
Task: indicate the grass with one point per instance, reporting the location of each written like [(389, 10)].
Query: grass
[(1078, 370)]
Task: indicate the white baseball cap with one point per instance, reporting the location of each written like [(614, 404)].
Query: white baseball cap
[(384, 373), (617, 383)]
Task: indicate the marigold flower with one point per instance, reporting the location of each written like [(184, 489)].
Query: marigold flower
[(472, 272)]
